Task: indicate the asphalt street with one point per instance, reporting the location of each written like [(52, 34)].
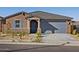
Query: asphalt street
[(37, 48)]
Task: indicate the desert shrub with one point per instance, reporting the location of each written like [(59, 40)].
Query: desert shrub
[(78, 34), (8, 31), (21, 34), (74, 32), (24, 33), (38, 37), (13, 34), (38, 34)]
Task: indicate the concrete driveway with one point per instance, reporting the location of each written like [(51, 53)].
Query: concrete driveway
[(60, 38)]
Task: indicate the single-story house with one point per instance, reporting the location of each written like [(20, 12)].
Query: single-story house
[(37, 21)]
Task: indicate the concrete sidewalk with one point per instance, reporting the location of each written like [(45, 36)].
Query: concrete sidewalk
[(32, 43), (56, 43)]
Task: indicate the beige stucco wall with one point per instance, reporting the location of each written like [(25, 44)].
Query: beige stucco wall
[(9, 22)]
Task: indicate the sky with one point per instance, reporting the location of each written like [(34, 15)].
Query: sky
[(66, 11)]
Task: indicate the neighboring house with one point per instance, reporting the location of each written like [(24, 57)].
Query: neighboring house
[(72, 25), (37, 21), (1, 20), (76, 26)]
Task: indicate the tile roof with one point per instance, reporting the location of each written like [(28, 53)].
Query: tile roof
[(46, 15), (42, 15)]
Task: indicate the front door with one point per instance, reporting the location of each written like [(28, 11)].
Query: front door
[(33, 26)]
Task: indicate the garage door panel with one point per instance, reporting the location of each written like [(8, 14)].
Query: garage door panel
[(61, 26)]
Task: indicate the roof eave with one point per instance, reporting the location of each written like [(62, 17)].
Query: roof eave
[(15, 14)]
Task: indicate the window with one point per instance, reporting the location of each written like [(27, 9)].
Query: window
[(17, 24), (17, 21)]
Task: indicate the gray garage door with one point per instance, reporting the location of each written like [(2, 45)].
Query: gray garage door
[(61, 27), (54, 27)]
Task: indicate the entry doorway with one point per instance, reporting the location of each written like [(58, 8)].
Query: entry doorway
[(33, 26)]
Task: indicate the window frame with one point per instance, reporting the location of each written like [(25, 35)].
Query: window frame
[(17, 23)]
